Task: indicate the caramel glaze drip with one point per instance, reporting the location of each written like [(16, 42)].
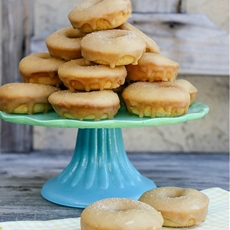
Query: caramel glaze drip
[(25, 98), (46, 78), (145, 109), (152, 74), (80, 113), (102, 83), (112, 59), (10, 105)]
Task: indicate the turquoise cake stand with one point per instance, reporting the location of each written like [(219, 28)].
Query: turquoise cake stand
[(99, 167)]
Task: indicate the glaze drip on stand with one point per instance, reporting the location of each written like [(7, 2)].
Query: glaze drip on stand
[(99, 169)]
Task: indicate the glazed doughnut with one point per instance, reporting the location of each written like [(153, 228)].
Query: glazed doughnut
[(94, 105), (65, 43), (94, 15), (156, 99), (25, 98), (113, 47), (40, 68), (151, 45), (153, 67), (192, 90), (120, 213), (180, 207), (80, 74)]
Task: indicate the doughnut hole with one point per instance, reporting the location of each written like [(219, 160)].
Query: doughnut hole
[(175, 194)]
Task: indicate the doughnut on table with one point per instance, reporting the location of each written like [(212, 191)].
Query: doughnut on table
[(99, 167)]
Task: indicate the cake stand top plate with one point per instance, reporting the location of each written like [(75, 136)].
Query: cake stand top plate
[(122, 119)]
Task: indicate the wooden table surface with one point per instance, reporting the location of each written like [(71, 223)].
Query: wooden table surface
[(23, 175)]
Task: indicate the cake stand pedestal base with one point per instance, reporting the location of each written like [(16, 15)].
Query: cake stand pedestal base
[(99, 169)]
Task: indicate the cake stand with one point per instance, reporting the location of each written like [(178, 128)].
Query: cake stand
[(99, 167)]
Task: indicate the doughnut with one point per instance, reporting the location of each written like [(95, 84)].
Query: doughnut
[(151, 45), (113, 47), (65, 43), (180, 207), (94, 15), (122, 214), (80, 74), (25, 98), (153, 67), (94, 105), (40, 68), (156, 99), (189, 87)]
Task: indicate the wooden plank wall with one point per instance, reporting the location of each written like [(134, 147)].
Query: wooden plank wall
[(16, 33)]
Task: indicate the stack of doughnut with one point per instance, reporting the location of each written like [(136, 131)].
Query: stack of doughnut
[(164, 206), (101, 61)]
